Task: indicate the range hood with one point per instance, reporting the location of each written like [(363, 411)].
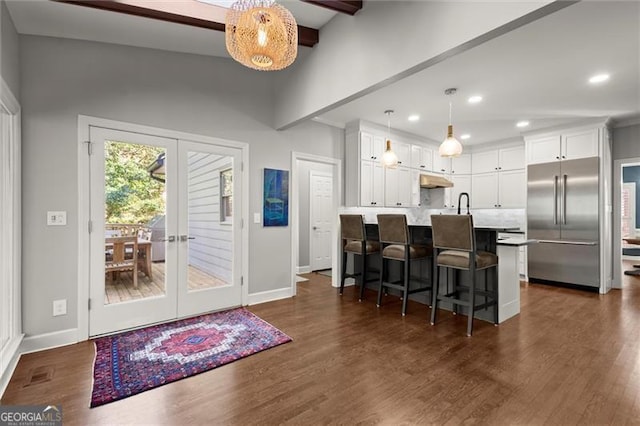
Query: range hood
[(434, 181)]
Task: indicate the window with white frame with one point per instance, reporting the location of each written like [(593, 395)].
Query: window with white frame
[(226, 195)]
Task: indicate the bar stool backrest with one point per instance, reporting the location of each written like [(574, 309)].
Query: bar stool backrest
[(393, 228), (453, 232), (352, 227)]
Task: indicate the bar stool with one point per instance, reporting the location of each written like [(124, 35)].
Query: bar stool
[(454, 246), (396, 245), (354, 241)]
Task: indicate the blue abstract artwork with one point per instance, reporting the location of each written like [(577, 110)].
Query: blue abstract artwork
[(275, 210)]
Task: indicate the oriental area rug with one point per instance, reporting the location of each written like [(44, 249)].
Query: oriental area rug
[(135, 361)]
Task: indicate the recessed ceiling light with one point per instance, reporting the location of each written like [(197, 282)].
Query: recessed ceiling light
[(465, 136), (599, 78), (475, 99), (523, 123), (414, 117)]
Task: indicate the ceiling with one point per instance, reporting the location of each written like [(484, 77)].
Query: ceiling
[(538, 72)]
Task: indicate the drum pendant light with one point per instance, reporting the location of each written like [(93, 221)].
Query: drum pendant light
[(261, 34)]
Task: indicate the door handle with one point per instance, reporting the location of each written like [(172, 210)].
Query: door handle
[(572, 243), (170, 238), (564, 199), (555, 200), (315, 228), (184, 238)]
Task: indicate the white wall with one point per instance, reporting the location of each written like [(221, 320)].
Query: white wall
[(304, 212), (389, 40), (626, 142), (210, 96), (9, 48)]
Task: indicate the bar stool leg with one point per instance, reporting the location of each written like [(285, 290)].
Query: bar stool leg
[(344, 271), (472, 303), (363, 276), (382, 271), (435, 288), (405, 279)]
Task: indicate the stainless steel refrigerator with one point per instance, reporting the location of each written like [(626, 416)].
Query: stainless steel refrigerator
[(562, 214)]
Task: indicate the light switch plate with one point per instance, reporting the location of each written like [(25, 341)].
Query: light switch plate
[(59, 307), (57, 218), (256, 218)]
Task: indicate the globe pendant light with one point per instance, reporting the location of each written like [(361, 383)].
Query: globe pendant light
[(389, 158), (450, 147), (261, 34)]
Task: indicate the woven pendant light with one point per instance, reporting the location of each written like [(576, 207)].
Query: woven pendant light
[(261, 34)]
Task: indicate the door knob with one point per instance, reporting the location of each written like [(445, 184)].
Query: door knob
[(315, 228)]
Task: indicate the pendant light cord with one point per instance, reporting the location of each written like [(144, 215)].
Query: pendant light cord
[(389, 126), (449, 112)]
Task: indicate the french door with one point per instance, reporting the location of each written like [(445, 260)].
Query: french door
[(180, 200)]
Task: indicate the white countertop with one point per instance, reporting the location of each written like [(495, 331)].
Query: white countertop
[(516, 242)]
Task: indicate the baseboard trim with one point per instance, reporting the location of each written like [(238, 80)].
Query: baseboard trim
[(11, 352), (40, 342), (303, 269), (270, 295)]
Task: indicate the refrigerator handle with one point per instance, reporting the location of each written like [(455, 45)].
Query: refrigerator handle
[(564, 200), (555, 200)]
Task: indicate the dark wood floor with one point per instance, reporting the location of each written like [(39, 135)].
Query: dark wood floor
[(571, 357)]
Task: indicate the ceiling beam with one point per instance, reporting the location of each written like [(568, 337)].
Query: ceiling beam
[(307, 37), (350, 7)]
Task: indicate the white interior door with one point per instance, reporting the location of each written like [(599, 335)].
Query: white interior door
[(321, 217), (123, 199), (209, 238), (628, 210)]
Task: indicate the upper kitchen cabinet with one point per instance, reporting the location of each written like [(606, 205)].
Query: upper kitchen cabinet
[(461, 165), (441, 164), (509, 158), (403, 151), (421, 158), (566, 145), (371, 146), (371, 184), (398, 187)]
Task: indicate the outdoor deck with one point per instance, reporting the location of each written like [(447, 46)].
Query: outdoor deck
[(122, 290)]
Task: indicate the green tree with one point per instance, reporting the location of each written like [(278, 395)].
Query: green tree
[(131, 195)]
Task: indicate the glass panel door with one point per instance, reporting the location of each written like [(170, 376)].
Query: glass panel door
[(210, 231), (133, 237)]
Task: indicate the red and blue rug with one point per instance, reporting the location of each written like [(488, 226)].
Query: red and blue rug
[(135, 361)]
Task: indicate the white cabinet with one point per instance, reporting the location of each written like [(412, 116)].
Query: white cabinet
[(504, 189), (461, 183), (371, 183), (512, 192), (485, 162), (415, 188), (421, 158), (397, 187), (371, 146), (569, 145), (484, 191), (441, 164), (461, 165), (511, 158), (403, 151), (580, 144)]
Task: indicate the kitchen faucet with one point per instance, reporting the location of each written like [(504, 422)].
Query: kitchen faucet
[(460, 199)]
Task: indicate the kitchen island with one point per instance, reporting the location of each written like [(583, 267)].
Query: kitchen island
[(506, 280)]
